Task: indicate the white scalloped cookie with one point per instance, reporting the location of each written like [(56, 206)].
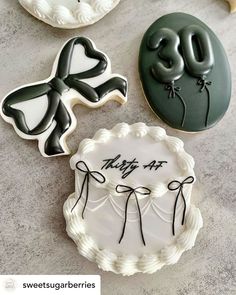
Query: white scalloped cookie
[(131, 210), (69, 14)]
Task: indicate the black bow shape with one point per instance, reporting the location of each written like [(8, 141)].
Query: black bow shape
[(64, 80), (172, 89), (97, 176), (133, 191), (203, 83), (177, 185)]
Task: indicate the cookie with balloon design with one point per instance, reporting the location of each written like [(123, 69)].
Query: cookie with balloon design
[(69, 14), (185, 72), (43, 110), (131, 210)]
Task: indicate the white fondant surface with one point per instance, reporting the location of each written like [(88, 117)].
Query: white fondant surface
[(34, 110), (80, 62)]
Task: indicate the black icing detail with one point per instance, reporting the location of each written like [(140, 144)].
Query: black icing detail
[(204, 83), (133, 191), (97, 176), (56, 87), (176, 185), (173, 92), (126, 167)]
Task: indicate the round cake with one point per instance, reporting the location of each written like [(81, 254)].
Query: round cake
[(69, 14), (131, 209)]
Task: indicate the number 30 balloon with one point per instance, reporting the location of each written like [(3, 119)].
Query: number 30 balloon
[(183, 54)]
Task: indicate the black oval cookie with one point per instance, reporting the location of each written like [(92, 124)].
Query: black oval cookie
[(185, 72)]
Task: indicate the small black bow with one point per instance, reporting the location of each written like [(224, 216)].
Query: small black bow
[(203, 83), (176, 185), (172, 89), (133, 191), (82, 167)]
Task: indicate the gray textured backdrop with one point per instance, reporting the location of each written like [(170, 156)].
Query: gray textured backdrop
[(33, 189)]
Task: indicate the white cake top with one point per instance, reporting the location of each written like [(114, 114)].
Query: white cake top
[(132, 193)]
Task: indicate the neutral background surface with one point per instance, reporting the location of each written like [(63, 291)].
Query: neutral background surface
[(33, 189)]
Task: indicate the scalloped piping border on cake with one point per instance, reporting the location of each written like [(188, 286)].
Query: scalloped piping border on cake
[(130, 264), (63, 17)]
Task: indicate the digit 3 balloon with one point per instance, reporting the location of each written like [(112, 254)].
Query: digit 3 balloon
[(43, 110), (174, 71), (185, 72)]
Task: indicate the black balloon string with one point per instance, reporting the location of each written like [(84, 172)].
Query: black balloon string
[(133, 191), (97, 176), (173, 92), (174, 186), (204, 86)]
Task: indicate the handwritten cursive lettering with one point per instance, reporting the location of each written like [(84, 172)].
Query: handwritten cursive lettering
[(154, 165), (126, 167)]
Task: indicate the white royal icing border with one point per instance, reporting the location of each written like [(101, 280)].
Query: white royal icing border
[(129, 264), (62, 16)]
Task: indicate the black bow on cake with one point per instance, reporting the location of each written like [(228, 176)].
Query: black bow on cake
[(133, 191), (174, 186), (97, 176), (62, 82)]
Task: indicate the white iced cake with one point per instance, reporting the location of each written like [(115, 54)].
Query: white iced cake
[(131, 209)]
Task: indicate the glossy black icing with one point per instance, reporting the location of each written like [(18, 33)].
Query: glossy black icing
[(55, 88)]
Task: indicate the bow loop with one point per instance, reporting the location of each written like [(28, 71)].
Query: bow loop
[(175, 184), (203, 83), (142, 191), (172, 89), (120, 188), (97, 176), (82, 167)]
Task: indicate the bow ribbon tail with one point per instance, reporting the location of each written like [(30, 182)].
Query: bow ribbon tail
[(184, 211), (87, 191), (175, 207), (80, 195), (126, 213), (173, 221), (140, 220)]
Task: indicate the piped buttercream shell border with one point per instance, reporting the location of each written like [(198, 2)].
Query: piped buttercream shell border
[(130, 264), (61, 16)]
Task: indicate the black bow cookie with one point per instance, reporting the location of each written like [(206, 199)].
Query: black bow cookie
[(43, 110)]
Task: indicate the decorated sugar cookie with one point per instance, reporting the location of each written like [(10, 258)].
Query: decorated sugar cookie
[(131, 210), (232, 4), (43, 110), (69, 14), (185, 72)]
